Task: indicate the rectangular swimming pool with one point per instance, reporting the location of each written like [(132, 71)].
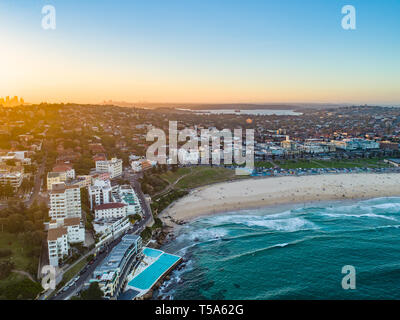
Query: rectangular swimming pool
[(148, 277), (153, 253)]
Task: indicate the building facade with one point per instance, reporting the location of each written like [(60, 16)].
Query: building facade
[(65, 201), (57, 243), (111, 273), (100, 193), (111, 210), (113, 166)]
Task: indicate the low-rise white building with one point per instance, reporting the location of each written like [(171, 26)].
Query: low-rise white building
[(110, 229), (113, 166), (142, 165), (111, 210)]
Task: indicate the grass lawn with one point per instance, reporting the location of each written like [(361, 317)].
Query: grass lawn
[(265, 164), (354, 163), (20, 253), (201, 176), (304, 164), (171, 176), (347, 163)]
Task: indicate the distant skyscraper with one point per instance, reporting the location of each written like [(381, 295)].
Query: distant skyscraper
[(13, 102)]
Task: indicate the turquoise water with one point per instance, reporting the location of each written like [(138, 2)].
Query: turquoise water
[(150, 275), (290, 253), (151, 252)]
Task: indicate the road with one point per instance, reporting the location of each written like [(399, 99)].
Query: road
[(38, 183), (87, 272), (147, 213)]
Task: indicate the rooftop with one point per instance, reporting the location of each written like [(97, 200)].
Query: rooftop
[(56, 233), (111, 205), (61, 168), (72, 221), (114, 260)]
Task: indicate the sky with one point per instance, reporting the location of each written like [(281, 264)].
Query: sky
[(201, 51)]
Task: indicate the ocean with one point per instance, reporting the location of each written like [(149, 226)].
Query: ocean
[(250, 112), (293, 252)]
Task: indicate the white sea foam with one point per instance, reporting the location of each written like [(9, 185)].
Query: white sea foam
[(361, 215), (284, 221)]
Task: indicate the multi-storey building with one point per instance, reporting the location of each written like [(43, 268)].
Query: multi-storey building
[(100, 193), (52, 179), (65, 170), (114, 267), (74, 226), (126, 195), (113, 166), (109, 229), (60, 173), (354, 144), (65, 201), (58, 246), (84, 180), (11, 175)]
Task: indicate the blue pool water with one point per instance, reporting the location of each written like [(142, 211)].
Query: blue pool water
[(150, 275), (290, 253), (152, 252)]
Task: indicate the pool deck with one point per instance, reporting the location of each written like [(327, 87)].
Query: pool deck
[(141, 281)]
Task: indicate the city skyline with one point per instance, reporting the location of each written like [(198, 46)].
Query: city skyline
[(201, 52)]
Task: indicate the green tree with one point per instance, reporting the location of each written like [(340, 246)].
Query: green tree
[(92, 293)]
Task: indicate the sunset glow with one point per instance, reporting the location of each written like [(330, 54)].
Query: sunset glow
[(200, 51)]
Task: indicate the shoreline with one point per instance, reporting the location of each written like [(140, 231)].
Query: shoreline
[(268, 192)]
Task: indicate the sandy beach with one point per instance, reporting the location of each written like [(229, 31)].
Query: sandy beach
[(262, 192)]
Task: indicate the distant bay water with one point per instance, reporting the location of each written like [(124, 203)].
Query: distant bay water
[(247, 112), (290, 253)]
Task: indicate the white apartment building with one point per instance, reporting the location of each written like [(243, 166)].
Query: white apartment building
[(58, 246), (14, 178), (75, 229), (111, 210), (142, 165), (113, 166), (100, 193), (126, 195), (65, 201), (110, 229), (19, 156)]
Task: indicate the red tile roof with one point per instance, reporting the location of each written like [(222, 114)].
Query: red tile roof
[(61, 168), (56, 233), (111, 205)]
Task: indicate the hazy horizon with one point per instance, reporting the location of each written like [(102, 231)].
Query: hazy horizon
[(208, 52)]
